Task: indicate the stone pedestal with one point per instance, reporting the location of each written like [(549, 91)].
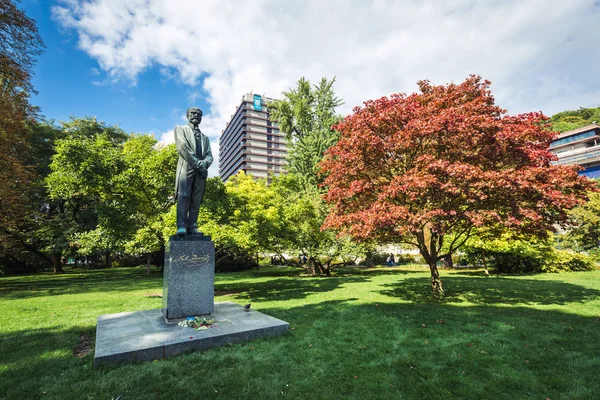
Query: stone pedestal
[(145, 336), (189, 276)]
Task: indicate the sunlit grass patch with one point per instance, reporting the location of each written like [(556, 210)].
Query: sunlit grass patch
[(363, 333)]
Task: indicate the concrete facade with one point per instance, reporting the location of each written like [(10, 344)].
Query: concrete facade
[(579, 147), (251, 141)]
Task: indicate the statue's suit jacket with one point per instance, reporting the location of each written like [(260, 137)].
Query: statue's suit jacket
[(188, 158)]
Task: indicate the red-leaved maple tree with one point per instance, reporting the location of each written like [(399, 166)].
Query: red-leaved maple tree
[(429, 167)]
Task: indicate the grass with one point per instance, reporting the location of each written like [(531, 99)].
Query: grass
[(362, 334)]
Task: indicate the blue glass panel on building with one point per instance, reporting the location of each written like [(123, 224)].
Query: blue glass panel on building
[(573, 138), (591, 172)]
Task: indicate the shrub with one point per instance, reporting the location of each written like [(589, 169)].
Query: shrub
[(515, 256), (564, 261), (510, 255), (402, 259)]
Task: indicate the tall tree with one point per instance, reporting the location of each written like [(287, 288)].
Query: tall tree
[(431, 166), (85, 186), (20, 43), (147, 183), (304, 212), (306, 115)]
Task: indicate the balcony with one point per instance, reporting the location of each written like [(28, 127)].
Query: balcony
[(587, 156)]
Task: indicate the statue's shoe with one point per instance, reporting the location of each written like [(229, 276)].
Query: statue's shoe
[(181, 231), (193, 231)]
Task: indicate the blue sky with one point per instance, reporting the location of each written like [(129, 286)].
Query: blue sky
[(71, 83), (141, 63)]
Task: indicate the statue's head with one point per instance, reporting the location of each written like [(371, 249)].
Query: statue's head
[(194, 115)]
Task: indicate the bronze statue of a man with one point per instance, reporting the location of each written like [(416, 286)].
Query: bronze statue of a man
[(195, 157)]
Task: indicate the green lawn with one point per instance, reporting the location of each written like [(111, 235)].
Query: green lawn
[(369, 334)]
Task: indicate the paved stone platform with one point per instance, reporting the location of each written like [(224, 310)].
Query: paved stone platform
[(146, 336)]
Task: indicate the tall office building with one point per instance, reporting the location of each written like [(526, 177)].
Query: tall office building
[(579, 147), (251, 141)]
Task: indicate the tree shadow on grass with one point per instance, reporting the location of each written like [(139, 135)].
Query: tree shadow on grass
[(267, 272), (291, 288), (286, 284), (491, 290), (440, 351), (358, 350), (33, 358), (79, 281), (360, 271)]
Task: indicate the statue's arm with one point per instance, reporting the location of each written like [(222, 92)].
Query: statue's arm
[(185, 149), (209, 157)]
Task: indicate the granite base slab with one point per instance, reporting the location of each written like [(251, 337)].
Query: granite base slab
[(146, 336)]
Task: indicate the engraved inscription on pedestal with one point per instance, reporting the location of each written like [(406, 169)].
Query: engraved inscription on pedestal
[(189, 275)]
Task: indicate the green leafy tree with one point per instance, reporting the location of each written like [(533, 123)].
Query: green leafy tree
[(117, 187), (585, 233), (306, 115), (573, 119), (243, 218), (303, 214), (148, 184), (85, 173)]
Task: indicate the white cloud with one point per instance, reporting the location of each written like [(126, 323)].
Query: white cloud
[(539, 54)]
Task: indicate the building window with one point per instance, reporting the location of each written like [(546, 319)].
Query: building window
[(573, 138)]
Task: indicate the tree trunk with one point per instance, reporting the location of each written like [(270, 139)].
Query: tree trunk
[(319, 266), (312, 266), (327, 269), (436, 282), (369, 260), (57, 263), (148, 259), (484, 262), (448, 263), (108, 259)]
